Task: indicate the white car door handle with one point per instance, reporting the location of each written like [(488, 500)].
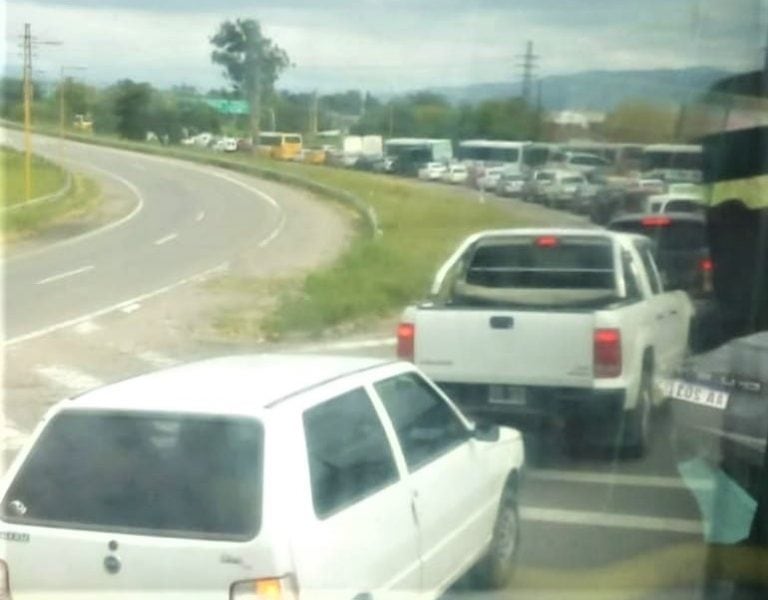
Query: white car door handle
[(414, 511)]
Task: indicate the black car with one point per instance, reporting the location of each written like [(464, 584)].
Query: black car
[(682, 255), (681, 249), (719, 406)]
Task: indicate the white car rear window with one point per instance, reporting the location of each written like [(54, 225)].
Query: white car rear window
[(166, 475)]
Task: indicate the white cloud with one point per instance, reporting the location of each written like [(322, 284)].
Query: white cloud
[(393, 44)]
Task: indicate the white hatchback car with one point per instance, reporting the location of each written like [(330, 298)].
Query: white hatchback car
[(455, 173), (432, 171), (270, 476)]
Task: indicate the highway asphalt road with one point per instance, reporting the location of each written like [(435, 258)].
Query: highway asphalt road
[(591, 524), (183, 220)]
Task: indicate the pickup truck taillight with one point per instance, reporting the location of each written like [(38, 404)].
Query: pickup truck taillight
[(706, 268), (607, 353), (406, 334), (282, 588)]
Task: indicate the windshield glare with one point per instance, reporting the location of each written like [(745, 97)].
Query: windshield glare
[(493, 274)]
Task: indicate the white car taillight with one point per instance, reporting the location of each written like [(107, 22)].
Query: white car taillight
[(5, 581), (275, 588)]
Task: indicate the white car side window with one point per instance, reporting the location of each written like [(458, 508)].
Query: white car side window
[(349, 455), (425, 425)]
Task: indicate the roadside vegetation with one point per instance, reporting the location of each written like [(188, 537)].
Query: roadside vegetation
[(420, 224), (47, 177), (22, 220)]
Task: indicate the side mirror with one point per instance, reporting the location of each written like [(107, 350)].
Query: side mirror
[(486, 432)]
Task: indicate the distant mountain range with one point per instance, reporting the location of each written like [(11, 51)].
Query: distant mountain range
[(599, 90)]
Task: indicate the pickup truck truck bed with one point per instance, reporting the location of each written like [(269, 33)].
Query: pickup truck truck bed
[(571, 325)]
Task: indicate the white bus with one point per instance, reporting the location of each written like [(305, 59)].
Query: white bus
[(673, 162), (513, 156), (408, 154), (492, 153)]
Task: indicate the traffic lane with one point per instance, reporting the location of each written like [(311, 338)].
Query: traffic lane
[(193, 219), (128, 262), (592, 562)]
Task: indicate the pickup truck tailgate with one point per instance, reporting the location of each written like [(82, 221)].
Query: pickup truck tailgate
[(505, 346)]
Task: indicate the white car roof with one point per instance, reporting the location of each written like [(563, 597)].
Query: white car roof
[(244, 384)]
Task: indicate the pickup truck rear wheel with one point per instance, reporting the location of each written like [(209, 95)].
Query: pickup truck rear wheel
[(495, 569), (638, 423)]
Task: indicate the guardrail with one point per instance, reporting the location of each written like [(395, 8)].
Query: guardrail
[(366, 212)]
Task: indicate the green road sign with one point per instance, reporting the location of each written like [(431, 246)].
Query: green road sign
[(229, 107)]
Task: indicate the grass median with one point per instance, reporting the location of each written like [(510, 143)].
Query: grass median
[(376, 276), (47, 178), (19, 219)]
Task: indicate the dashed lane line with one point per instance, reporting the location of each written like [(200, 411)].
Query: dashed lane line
[(156, 359), (86, 328), (611, 520), (165, 239), (72, 379), (66, 274), (124, 305), (352, 345), (611, 479)]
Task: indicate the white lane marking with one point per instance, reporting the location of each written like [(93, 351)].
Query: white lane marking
[(156, 359), (70, 378), (611, 520), (99, 230), (200, 216), (613, 479), (86, 327), (245, 186), (66, 274), (166, 239), (123, 305), (275, 232), (282, 218), (352, 345), (130, 308)]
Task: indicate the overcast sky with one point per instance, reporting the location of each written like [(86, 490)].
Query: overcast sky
[(389, 45)]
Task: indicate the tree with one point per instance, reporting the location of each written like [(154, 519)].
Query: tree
[(641, 122), (251, 61), (131, 107)]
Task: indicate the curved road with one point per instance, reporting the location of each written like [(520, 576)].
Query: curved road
[(185, 219)]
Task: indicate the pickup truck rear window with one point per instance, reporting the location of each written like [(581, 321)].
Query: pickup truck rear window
[(166, 475), (569, 263)]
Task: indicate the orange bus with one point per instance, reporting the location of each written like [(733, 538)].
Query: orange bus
[(280, 146)]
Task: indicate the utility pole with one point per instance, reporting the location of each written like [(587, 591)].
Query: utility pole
[(27, 111), (528, 66), (28, 43), (313, 108), (539, 111)]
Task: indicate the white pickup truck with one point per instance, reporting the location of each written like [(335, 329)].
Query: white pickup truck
[(571, 325)]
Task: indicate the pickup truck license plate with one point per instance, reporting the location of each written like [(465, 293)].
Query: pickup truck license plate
[(698, 394), (506, 394)]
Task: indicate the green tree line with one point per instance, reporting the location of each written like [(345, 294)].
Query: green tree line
[(252, 64)]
